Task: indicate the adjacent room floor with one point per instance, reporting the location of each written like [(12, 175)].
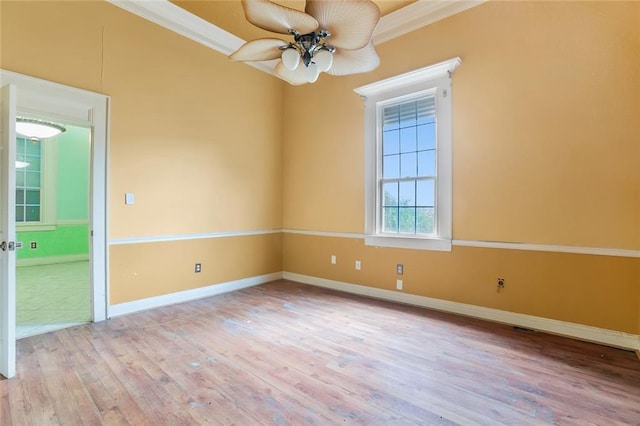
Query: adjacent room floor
[(287, 353), (50, 297)]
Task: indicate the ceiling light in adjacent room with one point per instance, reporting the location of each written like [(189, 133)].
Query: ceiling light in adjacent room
[(37, 129)]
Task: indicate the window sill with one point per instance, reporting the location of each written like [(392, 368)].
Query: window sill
[(414, 243)]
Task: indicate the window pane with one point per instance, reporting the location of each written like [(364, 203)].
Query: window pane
[(408, 220), (426, 109), (33, 214), (391, 166), (390, 194), (425, 193), (33, 180), (426, 163), (390, 118), (390, 219), (19, 178), (408, 139), (32, 147), (390, 142), (408, 114), (19, 196), (408, 193), (424, 218), (20, 145), (34, 163), (19, 214), (426, 137), (33, 197), (408, 165)]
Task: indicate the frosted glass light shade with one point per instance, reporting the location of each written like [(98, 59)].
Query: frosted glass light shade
[(37, 129), (323, 59), (312, 72), (290, 58), (21, 164)]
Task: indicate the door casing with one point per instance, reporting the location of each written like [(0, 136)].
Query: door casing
[(60, 103)]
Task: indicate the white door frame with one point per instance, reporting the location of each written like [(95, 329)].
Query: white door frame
[(69, 105)]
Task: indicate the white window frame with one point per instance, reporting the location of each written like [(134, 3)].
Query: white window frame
[(436, 78)]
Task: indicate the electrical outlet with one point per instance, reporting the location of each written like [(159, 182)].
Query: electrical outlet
[(33, 245), (399, 269), (398, 284), (333, 259), (358, 265), (198, 267)]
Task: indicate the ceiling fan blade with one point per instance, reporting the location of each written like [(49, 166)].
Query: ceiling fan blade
[(354, 61), (276, 18), (350, 22), (262, 49), (295, 78)]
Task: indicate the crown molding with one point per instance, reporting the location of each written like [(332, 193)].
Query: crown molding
[(174, 18), (417, 15), (178, 20)]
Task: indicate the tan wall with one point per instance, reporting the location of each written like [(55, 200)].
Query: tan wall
[(546, 151), (197, 138), (599, 291), (146, 270)]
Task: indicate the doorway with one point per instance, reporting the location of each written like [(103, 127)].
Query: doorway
[(53, 288), (35, 98)]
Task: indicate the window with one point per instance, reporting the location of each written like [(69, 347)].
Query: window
[(28, 180), (408, 159), (35, 184)]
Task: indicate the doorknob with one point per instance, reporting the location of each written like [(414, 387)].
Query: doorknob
[(11, 246)]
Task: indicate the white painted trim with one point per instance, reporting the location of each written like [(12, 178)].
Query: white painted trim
[(463, 243), (549, 247), (51, 260), (577, 331), (323, 233), (187, 295), (183, 237), (422, 76), (417, 15), (178, 20)]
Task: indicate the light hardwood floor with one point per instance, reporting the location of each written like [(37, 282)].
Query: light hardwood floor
[(286, 353)]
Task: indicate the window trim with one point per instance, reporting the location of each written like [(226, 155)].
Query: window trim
[(438, 77)]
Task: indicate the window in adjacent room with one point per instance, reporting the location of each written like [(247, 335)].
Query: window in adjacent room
[(408, 140), (34, 183)]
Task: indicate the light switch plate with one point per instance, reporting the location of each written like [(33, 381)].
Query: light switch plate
[(129, 198)]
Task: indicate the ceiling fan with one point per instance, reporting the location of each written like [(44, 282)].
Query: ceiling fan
[(332, 36)]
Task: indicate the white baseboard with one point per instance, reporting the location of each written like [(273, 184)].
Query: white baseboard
[(577, 331), (50, 260), (187, 295)]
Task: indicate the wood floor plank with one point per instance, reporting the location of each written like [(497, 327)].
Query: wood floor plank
[(289, 354)]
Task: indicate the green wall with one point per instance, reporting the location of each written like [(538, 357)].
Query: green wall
[(73, 150), (71, 233)]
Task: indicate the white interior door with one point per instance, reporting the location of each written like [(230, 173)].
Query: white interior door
[(8, 232)]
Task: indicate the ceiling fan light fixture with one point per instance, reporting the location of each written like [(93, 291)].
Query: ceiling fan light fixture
[(290, 58), (312, 72), (37, 129), (332, 36), (323, 59)]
